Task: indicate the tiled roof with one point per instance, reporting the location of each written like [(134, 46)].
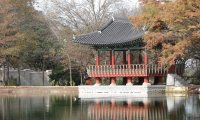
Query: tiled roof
[(116, 32)]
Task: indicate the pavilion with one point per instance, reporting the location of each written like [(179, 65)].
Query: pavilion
[(120, 53)]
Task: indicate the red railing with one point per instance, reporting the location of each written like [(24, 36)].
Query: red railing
[(134, 70)]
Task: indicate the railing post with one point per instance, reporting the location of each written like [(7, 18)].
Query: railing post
[(104, 70), (101, 69), (137, 70), (123, 69), (107, 70), (98, 70)]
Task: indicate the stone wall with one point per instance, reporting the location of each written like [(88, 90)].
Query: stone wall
[(175, 80), (28, 77), (90, 91)]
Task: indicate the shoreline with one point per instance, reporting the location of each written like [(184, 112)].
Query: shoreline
[(38, 90), (74, 90)]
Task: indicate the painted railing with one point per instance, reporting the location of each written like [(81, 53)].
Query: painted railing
[(137, 70)]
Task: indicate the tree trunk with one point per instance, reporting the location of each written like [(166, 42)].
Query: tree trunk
[(43, 71), (8, 73), (81, 75), (70, 71), (4, 73), (19, 78)]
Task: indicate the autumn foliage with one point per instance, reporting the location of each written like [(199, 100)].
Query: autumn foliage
[(8, 28), (173, 27)]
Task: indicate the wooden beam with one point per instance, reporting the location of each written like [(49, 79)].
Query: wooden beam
[(122, 49)]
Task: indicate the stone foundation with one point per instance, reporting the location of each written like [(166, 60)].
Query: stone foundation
[(120, 91)]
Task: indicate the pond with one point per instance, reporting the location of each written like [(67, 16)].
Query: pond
[(66, 107)]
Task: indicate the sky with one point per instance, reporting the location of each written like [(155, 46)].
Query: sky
[(41, 5)]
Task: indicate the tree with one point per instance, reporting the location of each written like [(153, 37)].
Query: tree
[(8, 29), (86, 15), (79, 55), (173, 27), (26, 39), (80, 17)]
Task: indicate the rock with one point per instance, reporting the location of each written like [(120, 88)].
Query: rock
[(199, 90), (176, 80)]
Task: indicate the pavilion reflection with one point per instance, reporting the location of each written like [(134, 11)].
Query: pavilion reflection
[(129, 109)]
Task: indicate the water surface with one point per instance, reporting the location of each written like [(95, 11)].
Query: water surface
[(65, 107)]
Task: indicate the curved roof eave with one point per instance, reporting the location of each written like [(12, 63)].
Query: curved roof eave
[(115, 32)]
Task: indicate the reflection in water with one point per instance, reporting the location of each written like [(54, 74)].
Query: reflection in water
[(65, 108), (37, 108), (192, 107), (130, 109)]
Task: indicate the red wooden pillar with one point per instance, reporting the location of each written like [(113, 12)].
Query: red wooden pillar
[(129, 58), (139, 59), (146, 78), (112, 54), (124, 63), (124, 57), (97, 58), (129, 79), (111, 57), (98, 80)]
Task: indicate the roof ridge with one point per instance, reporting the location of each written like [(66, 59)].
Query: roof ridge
[(106, 25), (124, 22), (122, 19), (114, 19)]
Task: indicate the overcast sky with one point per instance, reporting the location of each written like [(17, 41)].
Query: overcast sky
[(45, 4)]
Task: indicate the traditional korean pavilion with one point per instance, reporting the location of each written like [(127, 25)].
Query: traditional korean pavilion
[(120, 53)]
